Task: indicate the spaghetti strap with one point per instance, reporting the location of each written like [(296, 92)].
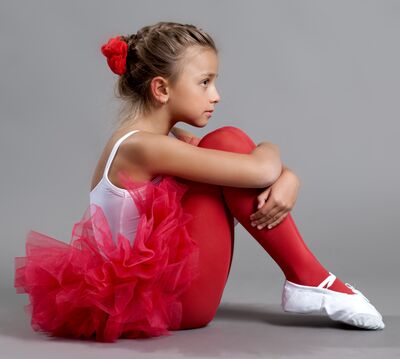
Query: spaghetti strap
[(114, 151)]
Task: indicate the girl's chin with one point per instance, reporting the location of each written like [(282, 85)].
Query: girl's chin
[(206, 118), (203, 123)]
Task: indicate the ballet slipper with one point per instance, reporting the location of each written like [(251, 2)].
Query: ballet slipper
[(353, 309)]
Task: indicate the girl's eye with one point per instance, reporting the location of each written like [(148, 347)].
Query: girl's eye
[(207, 80)]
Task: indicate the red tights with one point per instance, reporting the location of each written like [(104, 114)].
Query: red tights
[(213, 208)]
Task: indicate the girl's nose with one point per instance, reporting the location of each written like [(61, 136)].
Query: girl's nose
[(216, 98)]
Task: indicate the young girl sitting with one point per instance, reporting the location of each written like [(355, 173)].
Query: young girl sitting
[(152, 253)]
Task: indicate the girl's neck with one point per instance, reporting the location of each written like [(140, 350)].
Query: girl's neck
[(156, 122)]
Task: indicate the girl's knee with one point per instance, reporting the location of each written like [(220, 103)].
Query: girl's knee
[(227, 131), (198, 313), (228, 138)]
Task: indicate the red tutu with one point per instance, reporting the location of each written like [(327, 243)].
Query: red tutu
[(96, 288)]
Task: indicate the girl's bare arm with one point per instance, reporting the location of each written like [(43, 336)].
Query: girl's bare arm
[(270, 152), (165, 155)]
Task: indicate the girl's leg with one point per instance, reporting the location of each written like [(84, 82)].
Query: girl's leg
[(283, 242), (212, 228)]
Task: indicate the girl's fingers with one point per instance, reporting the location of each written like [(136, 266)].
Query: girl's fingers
[(261, 218), (279, 220), (267, 219), (259, 215)]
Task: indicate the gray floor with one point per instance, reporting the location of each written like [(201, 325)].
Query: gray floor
[(243, 327)]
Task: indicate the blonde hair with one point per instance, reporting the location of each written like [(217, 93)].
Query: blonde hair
[(155, 50)]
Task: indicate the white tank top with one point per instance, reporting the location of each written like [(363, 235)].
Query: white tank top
[(117, 204)]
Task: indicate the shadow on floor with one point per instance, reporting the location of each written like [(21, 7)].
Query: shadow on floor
[(237, 329)]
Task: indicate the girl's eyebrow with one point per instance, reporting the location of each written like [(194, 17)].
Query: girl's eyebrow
[(209, 74)]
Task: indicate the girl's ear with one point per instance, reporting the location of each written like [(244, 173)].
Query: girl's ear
[(158, 88)]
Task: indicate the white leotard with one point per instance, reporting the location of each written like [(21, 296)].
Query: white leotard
[(116, 203)]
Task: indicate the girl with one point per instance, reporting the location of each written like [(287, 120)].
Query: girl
[(152, 252)]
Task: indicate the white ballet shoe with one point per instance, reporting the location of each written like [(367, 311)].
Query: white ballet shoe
[(354, 309)]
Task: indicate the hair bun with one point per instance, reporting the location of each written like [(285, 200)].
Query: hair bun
[(115, 50)]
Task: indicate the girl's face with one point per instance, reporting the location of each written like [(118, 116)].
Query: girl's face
[(195, 92)]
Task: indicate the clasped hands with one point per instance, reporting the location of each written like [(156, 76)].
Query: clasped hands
[(276, 201)]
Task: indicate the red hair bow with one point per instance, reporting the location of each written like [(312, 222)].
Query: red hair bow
[(116, 50)]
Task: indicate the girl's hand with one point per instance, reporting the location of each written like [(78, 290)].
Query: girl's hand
[(281, 196), (194, 141), (186, 136), (190, 140)]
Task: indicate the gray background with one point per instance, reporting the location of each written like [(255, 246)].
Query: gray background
[(318, 78)]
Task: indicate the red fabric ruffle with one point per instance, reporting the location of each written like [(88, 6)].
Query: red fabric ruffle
[(96, 288)]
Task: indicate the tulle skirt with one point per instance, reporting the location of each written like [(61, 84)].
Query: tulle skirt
[(97, 288)]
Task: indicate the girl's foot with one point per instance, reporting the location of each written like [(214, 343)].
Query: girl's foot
[(353, 309)]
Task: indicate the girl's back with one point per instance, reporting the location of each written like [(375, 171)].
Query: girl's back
[(116, 202)]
